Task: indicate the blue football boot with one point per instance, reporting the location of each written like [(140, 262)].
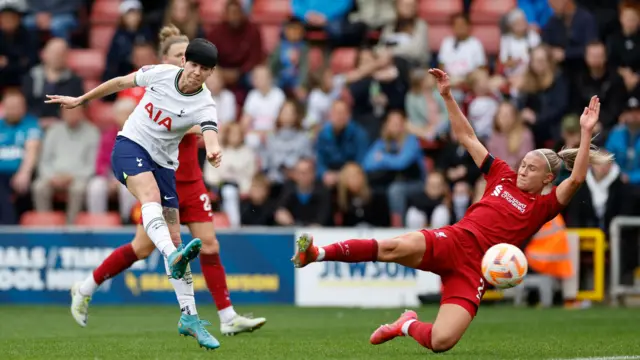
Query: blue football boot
[(191, 325), (179, 259)]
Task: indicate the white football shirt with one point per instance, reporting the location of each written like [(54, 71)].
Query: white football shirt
[(165, 114)]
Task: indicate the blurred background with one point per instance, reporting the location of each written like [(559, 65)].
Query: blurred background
[(327, 98)]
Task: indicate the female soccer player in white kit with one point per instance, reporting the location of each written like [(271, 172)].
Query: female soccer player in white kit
[(145, 155)]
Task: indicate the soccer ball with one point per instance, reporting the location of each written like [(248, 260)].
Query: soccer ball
[(504, 266)]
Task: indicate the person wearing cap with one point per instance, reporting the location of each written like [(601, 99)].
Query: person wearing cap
[(624, 141), (145, 155), (130, 32)]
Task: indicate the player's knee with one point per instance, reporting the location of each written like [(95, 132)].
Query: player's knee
[(443, 341), (146, 192), (210, 245), (388, 249)]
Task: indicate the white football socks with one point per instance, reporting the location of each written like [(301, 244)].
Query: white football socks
[(89, 286), (405, 326), (227, 314), (184, 290), (156, 227)]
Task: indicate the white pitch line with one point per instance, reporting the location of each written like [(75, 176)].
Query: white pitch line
[(628, 357)]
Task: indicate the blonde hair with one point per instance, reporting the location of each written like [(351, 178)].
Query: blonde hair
[(343, 190), (568, 158), (170, 35)]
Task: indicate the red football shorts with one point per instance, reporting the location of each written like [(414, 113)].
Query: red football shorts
[(194, 202), (447, 256)]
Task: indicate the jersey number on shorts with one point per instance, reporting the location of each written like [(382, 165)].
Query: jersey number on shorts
[(206, 202), (166, 121)]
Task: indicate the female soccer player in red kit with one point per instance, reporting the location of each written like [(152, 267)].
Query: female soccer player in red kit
[(511, 210), (195, 212)]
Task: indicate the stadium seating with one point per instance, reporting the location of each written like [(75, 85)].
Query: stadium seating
[(105, 12), (439, 12), (43, 219), (211, 11), (271, 11), (87, 63), (221, 220), (343, 59), (436, 34), (100, 37), (100, 113), (490, 11), (270, 37), (110, 219), (489, 36)]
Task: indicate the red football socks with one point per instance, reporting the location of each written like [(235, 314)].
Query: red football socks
[(352, 251), (120, 259), (421, 332), (216, 279)]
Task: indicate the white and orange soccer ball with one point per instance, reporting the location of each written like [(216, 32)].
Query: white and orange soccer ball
[(504, 266)]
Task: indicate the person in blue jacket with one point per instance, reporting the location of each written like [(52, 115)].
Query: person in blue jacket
[(395, 162), (340, 141), (624, 141)]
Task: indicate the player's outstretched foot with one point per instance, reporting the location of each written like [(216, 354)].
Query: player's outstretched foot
[(79, 305), (306, 253), (390, 331), (179, 259), (191, 325), (240, 324)]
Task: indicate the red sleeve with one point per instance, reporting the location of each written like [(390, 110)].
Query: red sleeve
[(549, 205), (494, 169)]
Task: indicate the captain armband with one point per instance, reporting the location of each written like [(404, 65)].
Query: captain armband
[(208, 125)]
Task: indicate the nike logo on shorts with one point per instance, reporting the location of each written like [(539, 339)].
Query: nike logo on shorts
[(167, 197)]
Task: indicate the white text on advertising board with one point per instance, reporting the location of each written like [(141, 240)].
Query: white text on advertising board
[(38, 268), (369, 273)]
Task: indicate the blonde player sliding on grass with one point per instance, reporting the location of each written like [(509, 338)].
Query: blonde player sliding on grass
[(511, 210), (145, 159)]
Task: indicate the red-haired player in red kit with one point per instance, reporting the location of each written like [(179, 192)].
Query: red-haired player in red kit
[(511, 210), (195, 212)]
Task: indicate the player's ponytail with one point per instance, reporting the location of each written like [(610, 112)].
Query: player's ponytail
[(170, 35), (567, 157)]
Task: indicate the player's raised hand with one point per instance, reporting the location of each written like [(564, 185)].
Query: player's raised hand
[(215, 156), (444, 86), (67, 102), (590, 115)]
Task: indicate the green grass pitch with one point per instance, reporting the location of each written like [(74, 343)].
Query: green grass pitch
[(149, 332)]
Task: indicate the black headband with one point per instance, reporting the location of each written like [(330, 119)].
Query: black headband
[(202, 52)]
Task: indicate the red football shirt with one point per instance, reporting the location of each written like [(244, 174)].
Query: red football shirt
[(506, 214), (189, 168)]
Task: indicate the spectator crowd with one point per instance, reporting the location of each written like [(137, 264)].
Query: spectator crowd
[(328, 115)]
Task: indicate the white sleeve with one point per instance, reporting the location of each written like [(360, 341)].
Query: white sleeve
[(147, 74), (249, 106), (481, 57), (444, 55), (534, 39), (504, 51), (208, 118)]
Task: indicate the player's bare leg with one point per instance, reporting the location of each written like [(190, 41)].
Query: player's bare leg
[(123, 258), (441, 335), (145, 188), (407, 250), (230, 322)]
